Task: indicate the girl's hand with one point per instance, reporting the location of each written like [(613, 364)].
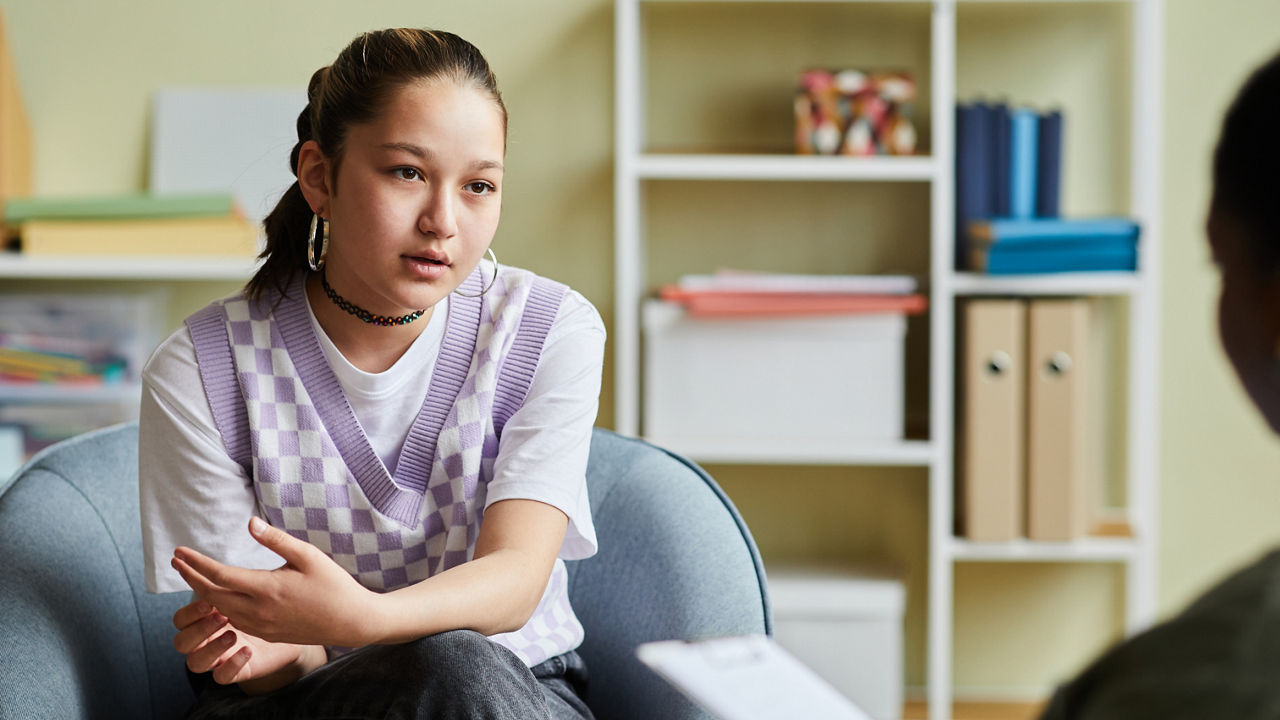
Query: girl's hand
[(210, 644), (309, 600)]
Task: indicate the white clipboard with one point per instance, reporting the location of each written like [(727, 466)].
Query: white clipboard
[(746, 678)]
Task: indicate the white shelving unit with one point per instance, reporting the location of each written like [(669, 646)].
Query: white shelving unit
[(13, 265), (634, 166)]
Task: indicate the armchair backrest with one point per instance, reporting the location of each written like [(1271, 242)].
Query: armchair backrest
[(91, 642), (83, 638), (676, 561)]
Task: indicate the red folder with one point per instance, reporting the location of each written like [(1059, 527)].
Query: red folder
[(711, 303)]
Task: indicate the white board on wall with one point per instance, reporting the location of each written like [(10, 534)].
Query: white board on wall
[(225, 140)]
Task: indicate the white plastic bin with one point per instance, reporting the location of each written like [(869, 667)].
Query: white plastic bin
[(825, 380), (847, 627)]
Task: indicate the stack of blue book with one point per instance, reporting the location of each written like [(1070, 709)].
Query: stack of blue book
[(1045, 245), (1008, 197)]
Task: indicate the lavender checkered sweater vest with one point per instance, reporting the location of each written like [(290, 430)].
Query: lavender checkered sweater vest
[(283, 417)]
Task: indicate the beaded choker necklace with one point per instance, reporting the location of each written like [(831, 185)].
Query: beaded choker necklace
[(363, 314)]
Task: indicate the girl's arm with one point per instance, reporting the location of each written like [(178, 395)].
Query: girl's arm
[(312, 600), (192, 493)]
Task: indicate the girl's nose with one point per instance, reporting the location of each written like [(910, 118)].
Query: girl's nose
[(438, 216)]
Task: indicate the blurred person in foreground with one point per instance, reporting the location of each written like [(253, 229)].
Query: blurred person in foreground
[(1219, 658)]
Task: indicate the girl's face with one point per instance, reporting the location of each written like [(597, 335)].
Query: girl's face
[(417, 197), (1248, 314)]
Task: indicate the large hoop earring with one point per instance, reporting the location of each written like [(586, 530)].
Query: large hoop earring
[(319, 234), (492, 280)]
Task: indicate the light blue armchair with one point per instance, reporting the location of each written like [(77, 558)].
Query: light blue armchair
[(82, 638)]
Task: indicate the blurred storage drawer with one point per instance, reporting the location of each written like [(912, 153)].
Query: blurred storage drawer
[(847, 628), (836, 378)]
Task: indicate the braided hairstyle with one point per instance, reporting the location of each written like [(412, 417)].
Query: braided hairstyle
[(353, 90)]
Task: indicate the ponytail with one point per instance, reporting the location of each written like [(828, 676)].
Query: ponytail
[(289, 222)]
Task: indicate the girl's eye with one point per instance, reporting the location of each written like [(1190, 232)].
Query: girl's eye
[(407, 173), (480, 188)]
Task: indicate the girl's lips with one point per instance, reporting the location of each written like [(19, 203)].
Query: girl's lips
[(426, 268), (432, 256)]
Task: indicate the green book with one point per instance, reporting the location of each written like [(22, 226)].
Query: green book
[(109, 207)]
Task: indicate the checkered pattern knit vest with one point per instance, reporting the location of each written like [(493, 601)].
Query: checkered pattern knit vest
[(283, 417)]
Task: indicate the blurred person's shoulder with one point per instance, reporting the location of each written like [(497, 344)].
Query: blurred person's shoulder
[(1218, 658)]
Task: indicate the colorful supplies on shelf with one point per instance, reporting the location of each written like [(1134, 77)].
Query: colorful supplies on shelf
[(76, 340), (854, 113)]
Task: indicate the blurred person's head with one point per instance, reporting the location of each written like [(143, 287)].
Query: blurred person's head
[(1244, 235)]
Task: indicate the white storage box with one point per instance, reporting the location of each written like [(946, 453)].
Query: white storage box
[(800, 381), (847, 628)]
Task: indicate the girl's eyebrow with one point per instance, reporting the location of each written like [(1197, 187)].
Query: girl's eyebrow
[(425, 154)]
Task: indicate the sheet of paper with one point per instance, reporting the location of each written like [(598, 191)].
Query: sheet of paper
[(747, 678), (225, 140)]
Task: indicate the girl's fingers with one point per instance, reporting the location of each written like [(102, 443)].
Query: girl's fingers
[(227, 576), (208, 590), (190, 613), (207, 656), (227, 672), (194, 636)]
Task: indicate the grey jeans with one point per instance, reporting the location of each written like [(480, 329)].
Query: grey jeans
[(454, 675)]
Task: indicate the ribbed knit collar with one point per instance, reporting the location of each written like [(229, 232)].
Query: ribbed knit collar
[(400, 494)]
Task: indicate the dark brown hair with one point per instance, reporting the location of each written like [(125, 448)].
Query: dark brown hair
[(353, 90), (1246, 165)]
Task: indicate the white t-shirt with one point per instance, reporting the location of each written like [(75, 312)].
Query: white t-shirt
[(192, 493)]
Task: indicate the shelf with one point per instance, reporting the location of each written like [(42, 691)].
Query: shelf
[(911, 453), (62, 394), (1096, 283), (13, 265), (977, 710), (1089, 549), (783, 167), (896, 2)]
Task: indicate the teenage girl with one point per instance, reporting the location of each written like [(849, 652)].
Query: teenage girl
[(369, 465)]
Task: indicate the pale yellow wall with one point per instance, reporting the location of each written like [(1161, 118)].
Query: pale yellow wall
[(88, 69), (1220, 495)]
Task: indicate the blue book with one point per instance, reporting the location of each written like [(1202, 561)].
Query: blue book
[(1034, 231), (973, 193), (1049, 167), (1000, 157), (1023, 127), (1084, 257)]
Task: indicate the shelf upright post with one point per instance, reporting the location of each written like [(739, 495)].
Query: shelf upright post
[(628, 258), (941, 370), (1144, 308)]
